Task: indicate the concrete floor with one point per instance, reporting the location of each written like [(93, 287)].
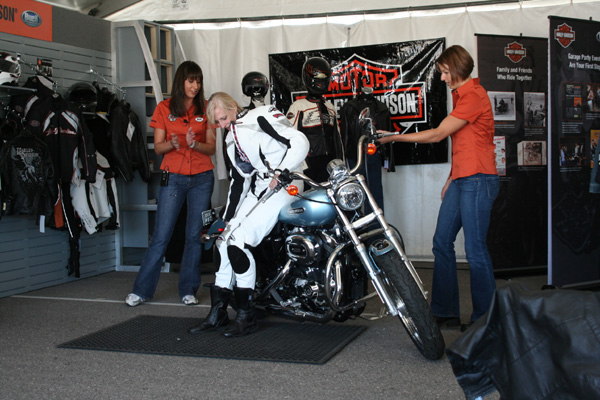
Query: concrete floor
[(382, 363)]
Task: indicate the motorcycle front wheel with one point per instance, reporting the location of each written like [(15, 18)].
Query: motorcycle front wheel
[(413, 309)]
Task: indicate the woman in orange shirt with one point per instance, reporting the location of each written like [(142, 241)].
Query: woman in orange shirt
[(183, 138), (469, 192)]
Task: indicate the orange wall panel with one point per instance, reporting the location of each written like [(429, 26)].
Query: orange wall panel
[(26, 18)]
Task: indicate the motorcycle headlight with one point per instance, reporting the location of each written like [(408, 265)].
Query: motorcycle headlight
[(350, 196)]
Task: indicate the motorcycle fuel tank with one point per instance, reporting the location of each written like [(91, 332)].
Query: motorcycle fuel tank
[(314, 209)]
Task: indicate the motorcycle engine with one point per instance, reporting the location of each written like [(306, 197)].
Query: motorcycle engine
[(304, 248)]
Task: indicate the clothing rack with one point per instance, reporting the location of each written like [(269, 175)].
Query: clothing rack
[(113, 85), (35, 69)]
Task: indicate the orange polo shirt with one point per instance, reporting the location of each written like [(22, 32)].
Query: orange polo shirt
[(473, 145), (184, 161)]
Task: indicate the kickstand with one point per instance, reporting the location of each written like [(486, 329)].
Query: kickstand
[(373, 316)]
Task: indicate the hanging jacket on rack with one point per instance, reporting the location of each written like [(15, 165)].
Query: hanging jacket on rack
[(124, 128), (61, 127), (99, 125), (129, 138), (103, 197), (10, 126), (28, 185), (97, 202), (351, 129), (21, 103), (138, 149)]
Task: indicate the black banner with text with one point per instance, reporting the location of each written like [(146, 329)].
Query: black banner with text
[(514, 71), (403, 76), (575, 127)]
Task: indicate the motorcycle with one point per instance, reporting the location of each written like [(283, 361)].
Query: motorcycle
[(317, 262)]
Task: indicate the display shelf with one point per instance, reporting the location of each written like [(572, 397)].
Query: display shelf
[(6, 91), (166, 44), (11, 90), (144, 51)]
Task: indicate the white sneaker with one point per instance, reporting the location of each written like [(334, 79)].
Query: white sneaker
[(133, 300), (189, 299)]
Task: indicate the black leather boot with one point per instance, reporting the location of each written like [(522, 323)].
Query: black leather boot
[(217, 317), (245, 322)]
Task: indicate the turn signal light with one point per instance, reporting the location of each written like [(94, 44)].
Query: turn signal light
[(371, 149), (292, 190)]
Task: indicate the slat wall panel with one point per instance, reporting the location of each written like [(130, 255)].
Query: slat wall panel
[(29, 259)]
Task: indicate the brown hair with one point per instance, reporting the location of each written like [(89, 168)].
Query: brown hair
[(185, 71), (458, 60)]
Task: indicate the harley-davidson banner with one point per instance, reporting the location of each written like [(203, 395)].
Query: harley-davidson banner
[(574, 153), (402, 75), (514, 71)]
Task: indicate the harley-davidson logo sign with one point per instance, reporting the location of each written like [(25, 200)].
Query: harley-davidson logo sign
[(515, 52), (406, 101), (565, 35)]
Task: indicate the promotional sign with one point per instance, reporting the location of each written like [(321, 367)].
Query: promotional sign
[(575, 127), (514, 71), (402, 75), (26, 18)]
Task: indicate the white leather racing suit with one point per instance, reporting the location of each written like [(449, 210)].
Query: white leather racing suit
[(259, 139)]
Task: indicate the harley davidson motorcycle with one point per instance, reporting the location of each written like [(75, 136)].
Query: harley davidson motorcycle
[(317, 262)]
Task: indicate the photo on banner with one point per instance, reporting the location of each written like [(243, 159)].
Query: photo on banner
[(574, 234), (402, 75), (514, 71)]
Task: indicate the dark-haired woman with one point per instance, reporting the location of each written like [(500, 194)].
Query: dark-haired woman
[(182, 136), (469, 192)]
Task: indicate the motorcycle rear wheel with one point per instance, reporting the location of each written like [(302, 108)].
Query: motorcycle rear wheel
[(413, 309)]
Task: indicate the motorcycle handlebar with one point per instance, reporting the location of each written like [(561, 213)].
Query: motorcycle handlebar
[(360, 153), (286, 177), (302, 177)]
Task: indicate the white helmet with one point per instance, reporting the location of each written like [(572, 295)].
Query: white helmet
[(10, 70)]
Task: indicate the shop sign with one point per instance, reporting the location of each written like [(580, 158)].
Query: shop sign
[(26, 18), (406, 101)]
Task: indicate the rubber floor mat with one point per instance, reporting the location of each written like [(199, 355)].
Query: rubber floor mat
[(278, 341)]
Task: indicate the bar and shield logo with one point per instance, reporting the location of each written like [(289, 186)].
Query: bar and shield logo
[(405, 100), (564, 34), (515, 52)]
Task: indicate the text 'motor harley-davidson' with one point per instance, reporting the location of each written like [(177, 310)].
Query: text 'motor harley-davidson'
[(316, 263)]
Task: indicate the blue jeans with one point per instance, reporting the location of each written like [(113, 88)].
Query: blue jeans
[(197, 190), (467, 204)]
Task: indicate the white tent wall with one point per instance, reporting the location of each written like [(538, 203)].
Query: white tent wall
[(412, 194), (219, 9)]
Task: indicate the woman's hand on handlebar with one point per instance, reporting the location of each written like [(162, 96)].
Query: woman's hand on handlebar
[(274, 182), (386, 137)]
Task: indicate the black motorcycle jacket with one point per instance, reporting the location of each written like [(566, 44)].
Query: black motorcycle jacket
[(351, 129), (21, 103), (316, 118), (127, 142), (61, 127), (28, 185)]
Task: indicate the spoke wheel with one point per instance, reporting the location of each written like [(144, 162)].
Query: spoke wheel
[(413, 309)]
